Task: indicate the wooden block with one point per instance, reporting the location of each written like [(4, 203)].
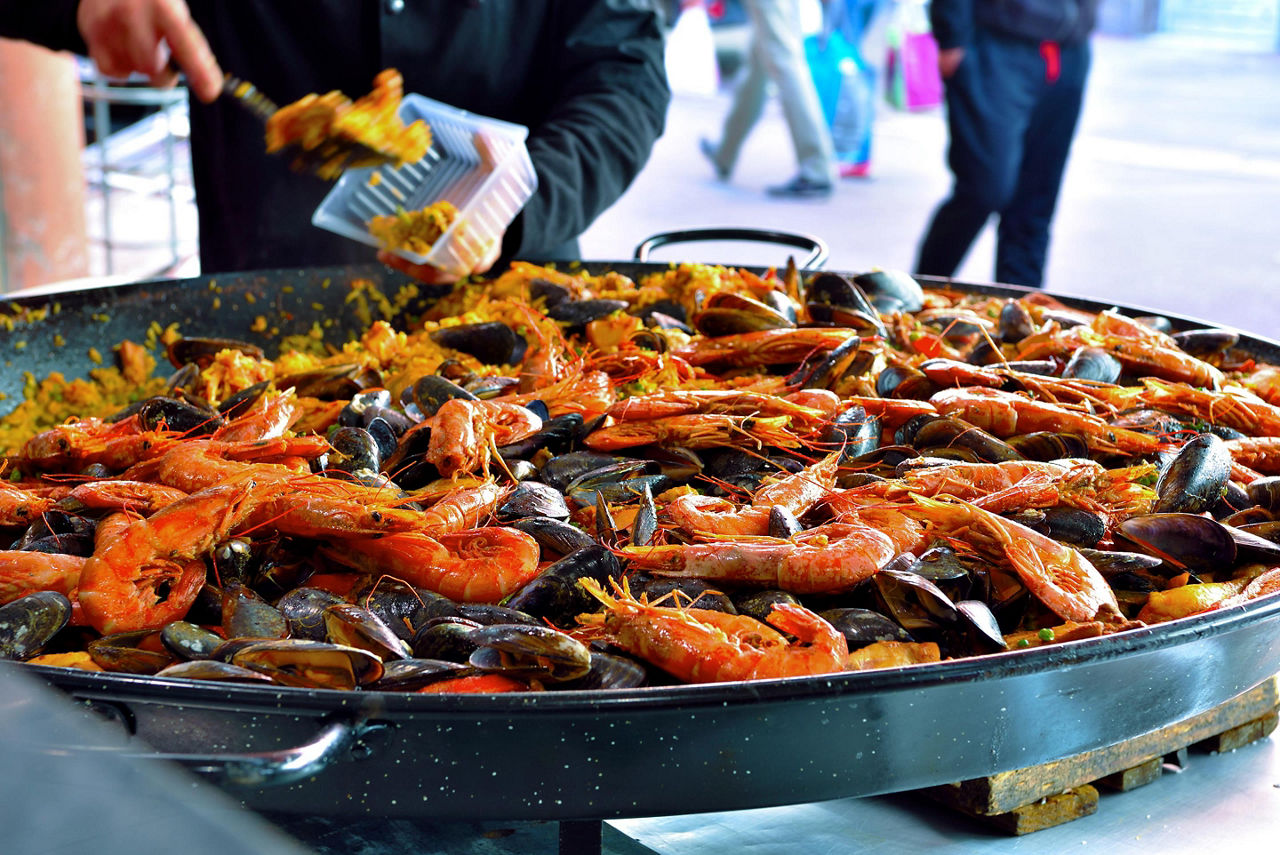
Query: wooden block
[(1047, 812), (1134, 776), (1005, 791), (1234, 738)]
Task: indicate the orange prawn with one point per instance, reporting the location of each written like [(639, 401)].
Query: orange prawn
[(464, 433), (19, 506), (766, 347), (795, 492), (705, 646), (700, 430), (1233, 408), (1260, 453)]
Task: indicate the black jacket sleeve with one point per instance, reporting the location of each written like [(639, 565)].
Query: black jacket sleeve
[(51, 23), (952, 22), (610, 106)]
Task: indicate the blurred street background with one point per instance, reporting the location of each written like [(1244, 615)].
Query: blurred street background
[(1170, 200)]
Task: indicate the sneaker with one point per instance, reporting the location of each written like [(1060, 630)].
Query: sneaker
[(801, 188), (712, 153), (856, 170)]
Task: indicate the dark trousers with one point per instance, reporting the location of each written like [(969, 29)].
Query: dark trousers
[(1012, 110)]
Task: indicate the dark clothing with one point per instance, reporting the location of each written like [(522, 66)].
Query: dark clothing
[(1061, 21), (586, 76), (1012, 109)]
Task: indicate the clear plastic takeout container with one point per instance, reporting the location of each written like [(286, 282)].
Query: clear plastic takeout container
[(478, 164)]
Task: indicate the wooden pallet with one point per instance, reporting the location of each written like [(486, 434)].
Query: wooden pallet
[(1037, 797)]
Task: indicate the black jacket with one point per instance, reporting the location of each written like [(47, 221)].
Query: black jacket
[(586, 76), (1063, 21)]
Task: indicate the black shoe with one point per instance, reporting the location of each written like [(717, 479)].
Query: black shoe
[(801, 188), (712, 153)]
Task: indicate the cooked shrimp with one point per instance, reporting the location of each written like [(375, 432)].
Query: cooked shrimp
[(465, 433), (23, 573), (832, 557), (701, 430), (705, 646), (19, 506), (795, 492), (117, 494)]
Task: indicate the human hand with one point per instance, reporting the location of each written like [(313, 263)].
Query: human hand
[(434, 275), (125, 36), (949, 60)]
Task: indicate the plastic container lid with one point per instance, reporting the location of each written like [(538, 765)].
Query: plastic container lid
[(478, 164)]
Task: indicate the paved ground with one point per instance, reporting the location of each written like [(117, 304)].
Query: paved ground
[(1171, 197)]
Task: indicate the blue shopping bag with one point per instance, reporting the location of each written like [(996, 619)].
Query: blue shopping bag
[(846, 91)]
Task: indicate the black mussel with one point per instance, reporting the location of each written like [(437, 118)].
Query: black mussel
[(1185, 541), (854, 432), (686, 593), (564, 469), (355, 450), (59, 544), (409, 675), (1074, 526), (606, 526), (239, 403), (310, 664), (517, 470), (356, 626), (1196, 478), (959, 326), (487, 614), (550, 293), (891, 290), (489, 386), (918, 605), (650, 339), (783, 523), (1265, 492), (832, 298), (227, 650), (644, 528), (384, 435), (760, 604), (202, 351), (558, 435), (1267, 529), (902, 381), (1251, 546), (1048, 446), (447, 638), (28, 623), (575, 313), (1113, 562), (609, 671), (134, 652), (861, 627), (617, 484), (865, 323), (430, 607), (1204, 343), (730, 313), (886, 457), (946, 569), (331, 382), (1014, 322), (555, 536), (668, 309), (1249, 516), (1041, 367), (1226, 432), (247, 615), (1235, 498), (233, 560), (534, 652), (936, 455), (1092, 363), (976, 632), (159, 413), (361, 403), (782, 304), (214, 671), (533, 499), (304, 609), (431, 391), (186, 640), (954, 432), (1159, 323), (396, 603), (395, 419), (554, 594), (492, 342), (985, 352), (184, 381), (53, 522)]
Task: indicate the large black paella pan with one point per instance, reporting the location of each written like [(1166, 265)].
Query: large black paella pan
[(636, 752)]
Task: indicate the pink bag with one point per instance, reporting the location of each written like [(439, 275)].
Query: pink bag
[(912, 77)]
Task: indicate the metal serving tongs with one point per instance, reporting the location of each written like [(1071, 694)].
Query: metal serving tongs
[(328, 159)]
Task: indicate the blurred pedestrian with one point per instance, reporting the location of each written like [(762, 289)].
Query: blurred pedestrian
[(1015, 73), (776, 54)]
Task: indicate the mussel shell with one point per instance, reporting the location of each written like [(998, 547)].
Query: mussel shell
[(575, 313), (550, 293), (361, 403), (564, 469), (854, 432), (558, 434), (28, 623), (554, 594), (1075, 526), (555, 536), (644, 528), (134, 652), (331, 382), (202, 351), (56, 521), (760, 604), (189, 641), (238, 403), (730, 313), (538, 652), (1014, 322), (1047, 446), (1265, 492), (409, 675), (1113, 562), (430, 391), (492, 342), (891, 290), (977, 631), (1235, 498), (356, 626), (686, 593), (609, 671), (533, 499), (783, 523), (310, 664), (303, 609), (1206, 342), (356, 450), (488, 614), (917, 604), (944, 567), (1185, 541), (901, 381), (246, 615), (1251, 546), (445, 638), (59, 544), (1196, 478), (178, 415), (213, 670), (861, 627), (1092, 363), (954, 432)]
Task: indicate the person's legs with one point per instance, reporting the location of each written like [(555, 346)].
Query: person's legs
[(988, 103), (1022, 243), (748, 103), (777, 24)]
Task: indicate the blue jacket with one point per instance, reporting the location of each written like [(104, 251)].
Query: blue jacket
[(1062, 21)]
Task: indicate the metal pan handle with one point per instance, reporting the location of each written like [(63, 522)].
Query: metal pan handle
[(335, 741), (816, 247)]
